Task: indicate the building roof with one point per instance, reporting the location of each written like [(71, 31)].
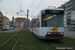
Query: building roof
[(6, 17)]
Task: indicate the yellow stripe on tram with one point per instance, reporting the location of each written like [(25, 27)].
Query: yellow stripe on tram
[(36, 31), (55, 29)]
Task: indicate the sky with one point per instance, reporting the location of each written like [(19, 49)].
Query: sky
[(9, 8)]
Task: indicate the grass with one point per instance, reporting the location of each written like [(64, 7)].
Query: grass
[(68, 42), (18, 31), (5, 37), (2, 33), (24, 29), (30, 42), (10, 44)]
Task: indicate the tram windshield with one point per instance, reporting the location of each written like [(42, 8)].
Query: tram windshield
[(52, 20)]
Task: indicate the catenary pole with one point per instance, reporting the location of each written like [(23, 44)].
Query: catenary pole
[(27, 20)]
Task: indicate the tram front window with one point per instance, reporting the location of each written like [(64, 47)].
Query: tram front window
[(52, 20)]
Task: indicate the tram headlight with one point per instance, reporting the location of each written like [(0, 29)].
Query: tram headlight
[(49, 33), (62, 33)]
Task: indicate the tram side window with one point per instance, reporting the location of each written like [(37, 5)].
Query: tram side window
[(43, 23), (38, 23), (33, 24)]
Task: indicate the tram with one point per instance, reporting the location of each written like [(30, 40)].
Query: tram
[(48, 24)]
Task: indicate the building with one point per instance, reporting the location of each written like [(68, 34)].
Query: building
[(22, 24), (10, 22), (73, 18), (70, 12), (21, 21), (14, 23), (63, 6), (1, 20), (6, 21)]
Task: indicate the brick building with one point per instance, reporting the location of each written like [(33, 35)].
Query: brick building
[(19, 20)]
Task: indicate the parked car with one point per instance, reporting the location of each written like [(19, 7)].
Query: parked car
[(6, 27), (11, 28), (3, 29), (16, 27)]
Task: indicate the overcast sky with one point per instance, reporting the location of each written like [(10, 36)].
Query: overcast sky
[(11, 7)]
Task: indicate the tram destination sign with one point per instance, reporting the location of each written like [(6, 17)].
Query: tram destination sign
[(54, 11)]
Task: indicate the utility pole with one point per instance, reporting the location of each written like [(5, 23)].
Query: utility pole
[(27, 20)]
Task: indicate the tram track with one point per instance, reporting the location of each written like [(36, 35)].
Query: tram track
[(17, 40), (21, 32), (56, 45), (14, 39), (51, 46), (8, 40)]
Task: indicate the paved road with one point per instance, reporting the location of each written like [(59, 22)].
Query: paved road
[(8, 31), (70, 34)]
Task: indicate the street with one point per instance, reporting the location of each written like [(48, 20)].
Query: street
[(70, 34), (8, 31)]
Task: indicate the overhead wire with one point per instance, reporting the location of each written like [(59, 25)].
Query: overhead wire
[(20, 3), (31, 4), (41, 5), (20, 6), (37, 6)]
